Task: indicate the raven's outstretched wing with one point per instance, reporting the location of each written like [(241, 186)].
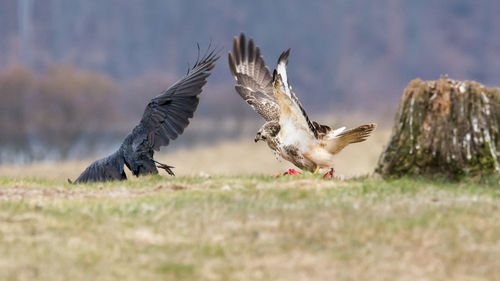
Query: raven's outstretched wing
[(253, 80), (166, 115)]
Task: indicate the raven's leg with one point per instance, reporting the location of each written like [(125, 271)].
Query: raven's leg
[(165, 167)]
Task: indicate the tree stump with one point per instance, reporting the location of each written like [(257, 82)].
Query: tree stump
[(444, 127)]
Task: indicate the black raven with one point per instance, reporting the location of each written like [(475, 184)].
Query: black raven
[(164, 119)]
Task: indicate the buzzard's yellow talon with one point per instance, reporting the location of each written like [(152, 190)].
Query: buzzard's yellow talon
[(316, 171)]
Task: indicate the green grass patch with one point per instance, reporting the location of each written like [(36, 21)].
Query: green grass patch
[(250, 228)]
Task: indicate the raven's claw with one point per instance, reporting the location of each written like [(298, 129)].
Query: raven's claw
[(165, 167)]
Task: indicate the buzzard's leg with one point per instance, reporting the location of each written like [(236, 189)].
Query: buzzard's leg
[(165, 167), (316, 171), (329, 174)]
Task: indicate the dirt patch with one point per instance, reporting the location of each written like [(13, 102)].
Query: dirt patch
[(305, 184), (40, 193), (171, 187)]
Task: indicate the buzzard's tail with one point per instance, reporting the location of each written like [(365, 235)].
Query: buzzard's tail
[(345, 138), (357, 134)]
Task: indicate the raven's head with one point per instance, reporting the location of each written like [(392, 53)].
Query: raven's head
[(145, 165), (140, 162)]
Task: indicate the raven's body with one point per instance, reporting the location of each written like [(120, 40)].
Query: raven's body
[(139, 162), (138, 157), (164, 119)]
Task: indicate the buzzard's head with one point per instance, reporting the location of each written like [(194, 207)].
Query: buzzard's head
[(267, 131)]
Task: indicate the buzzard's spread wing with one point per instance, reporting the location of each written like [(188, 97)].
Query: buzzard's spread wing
[(291, 111), (296, 126), (253, 80), (166, 116)]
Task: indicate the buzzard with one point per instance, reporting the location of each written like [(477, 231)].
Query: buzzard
[(164, 119), (288, 131)]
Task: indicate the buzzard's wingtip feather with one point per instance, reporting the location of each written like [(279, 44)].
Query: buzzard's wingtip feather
[(284, 57)]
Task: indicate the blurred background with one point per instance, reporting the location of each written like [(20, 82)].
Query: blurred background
[(76, 75)]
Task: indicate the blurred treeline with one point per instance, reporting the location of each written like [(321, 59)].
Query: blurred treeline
[(75, 75), (46, 116), (64, 112)]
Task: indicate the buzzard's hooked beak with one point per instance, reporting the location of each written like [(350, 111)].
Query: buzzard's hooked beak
[(259, 137)]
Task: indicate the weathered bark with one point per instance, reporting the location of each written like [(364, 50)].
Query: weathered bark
[(444, 127)]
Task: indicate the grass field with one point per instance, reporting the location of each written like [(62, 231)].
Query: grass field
[(249, 228), (225, 218)]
